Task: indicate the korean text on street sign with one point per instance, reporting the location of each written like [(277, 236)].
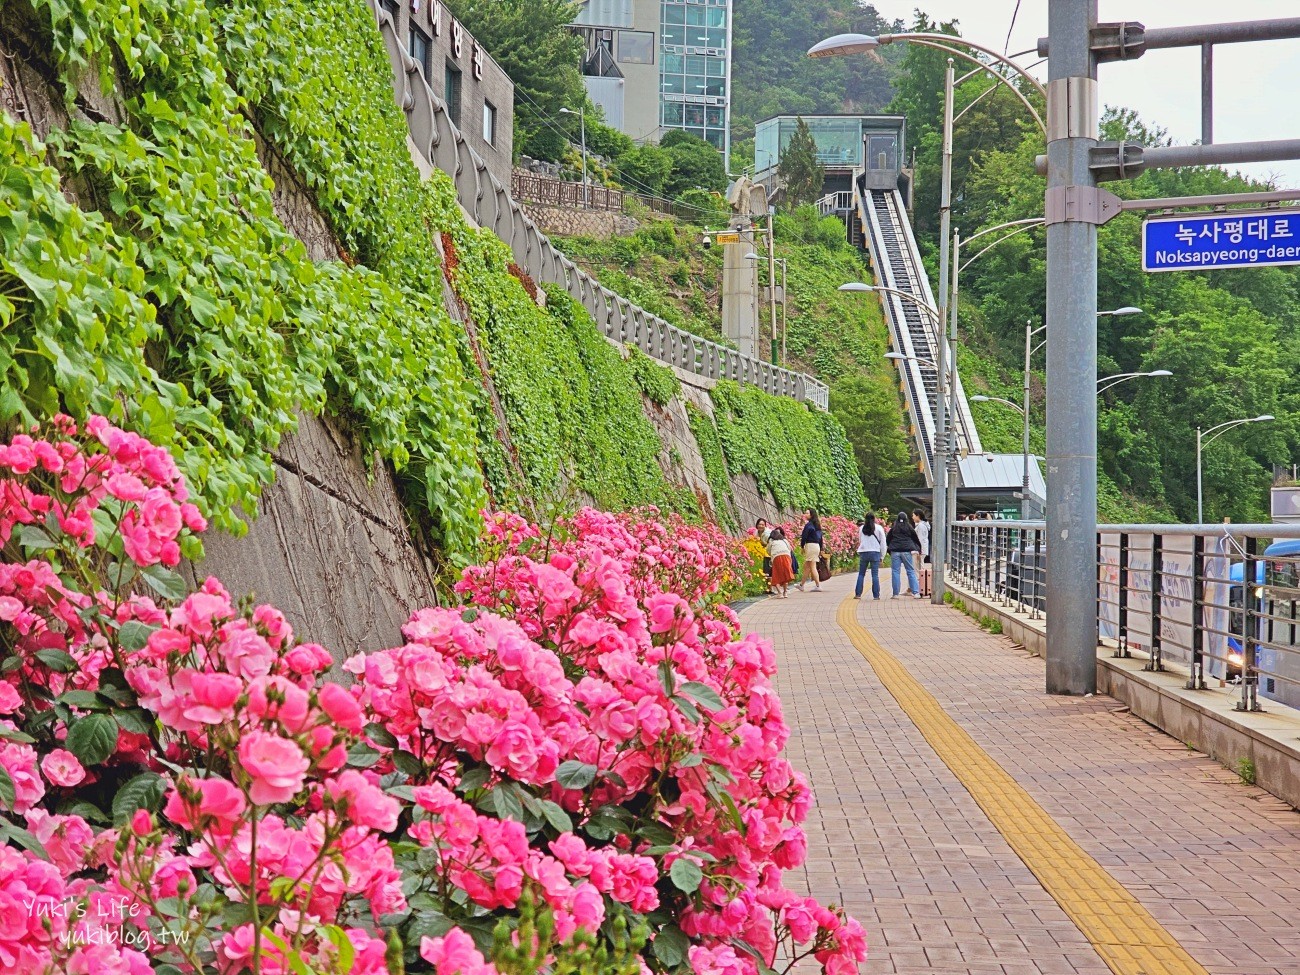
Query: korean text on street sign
[(1197, 242), (728, 238)]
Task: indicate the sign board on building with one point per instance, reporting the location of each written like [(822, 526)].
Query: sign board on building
[(1205, 241), (728, 238)]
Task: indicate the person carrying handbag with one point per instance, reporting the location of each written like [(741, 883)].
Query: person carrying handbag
[(810, 540)]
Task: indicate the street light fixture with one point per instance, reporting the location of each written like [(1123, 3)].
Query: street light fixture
[(582, 121), (998, 399), (1109, 382), (1202, 440), (1120, 312)]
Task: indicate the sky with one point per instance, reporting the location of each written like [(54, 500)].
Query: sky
[(1256, 86)]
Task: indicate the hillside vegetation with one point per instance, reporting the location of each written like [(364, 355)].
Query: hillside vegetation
[(841, 338)]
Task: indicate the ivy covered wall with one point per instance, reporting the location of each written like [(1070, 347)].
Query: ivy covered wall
[(145, 274)]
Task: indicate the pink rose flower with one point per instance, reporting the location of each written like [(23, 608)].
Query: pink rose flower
[(62, 768), (275, 765)]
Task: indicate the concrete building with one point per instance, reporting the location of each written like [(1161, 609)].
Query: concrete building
[(657, 65), (480, 96)]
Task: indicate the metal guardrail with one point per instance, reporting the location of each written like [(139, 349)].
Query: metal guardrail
[(547, 191), (835, 203), (1217, 601), (489, 204)]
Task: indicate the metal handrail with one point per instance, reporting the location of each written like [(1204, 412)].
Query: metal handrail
[(1165, 592)]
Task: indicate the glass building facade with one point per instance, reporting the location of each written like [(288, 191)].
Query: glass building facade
[(840, 140), (695, 68)]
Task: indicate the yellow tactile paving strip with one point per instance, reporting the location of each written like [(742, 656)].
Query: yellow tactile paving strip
[(1128, 939)]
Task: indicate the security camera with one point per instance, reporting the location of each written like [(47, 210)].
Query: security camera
[(989, 458), (708, 241)]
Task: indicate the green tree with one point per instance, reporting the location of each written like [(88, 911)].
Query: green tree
[(696, 164), (644, 169), (799, 171), (867, 408), (531, 41)]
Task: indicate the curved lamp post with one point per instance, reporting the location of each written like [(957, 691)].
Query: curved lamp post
[(1203, 438), (1109, 382)]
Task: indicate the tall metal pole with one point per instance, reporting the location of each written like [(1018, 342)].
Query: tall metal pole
[(1200, 514), (938, 463), (1024, 479), (1072, 130), (785, 307), (954, 455), (1207, 93), (771, 274)]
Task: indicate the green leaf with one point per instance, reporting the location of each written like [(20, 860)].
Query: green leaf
[(362, 755), (86, 810), (13, 734), (134, 635), (138, 721), (347, 953), (690, 761), (687, 708), (380, 735), (59, 661), (93, 738), (506, 802), (21, 837), (555, 815), (703, 695), (475, 778), (575, 775), (667, 679), (408, 764), (685, 875), (427, 924), (34, 538), (144, 791), (8, 794), (86, 700), (670, 945), (165, 582)]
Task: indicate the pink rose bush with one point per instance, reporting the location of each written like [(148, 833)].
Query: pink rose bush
[(577, 768)]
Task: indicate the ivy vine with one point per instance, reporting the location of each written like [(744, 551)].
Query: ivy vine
[(715, 464), (796, 453)]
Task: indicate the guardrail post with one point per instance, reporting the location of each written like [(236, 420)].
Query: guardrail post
[(1249, 607), (1040, 567), (1022, 540), (1157, 584), (1196, 679), (1125, 551)]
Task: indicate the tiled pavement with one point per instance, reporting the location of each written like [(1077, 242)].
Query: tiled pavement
[(896, 838)]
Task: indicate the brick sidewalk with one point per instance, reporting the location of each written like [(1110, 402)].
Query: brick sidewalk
[(897, 839)]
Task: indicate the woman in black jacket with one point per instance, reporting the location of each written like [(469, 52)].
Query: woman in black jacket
[(811, 542), (904, 546)]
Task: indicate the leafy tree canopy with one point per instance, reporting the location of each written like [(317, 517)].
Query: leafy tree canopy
[(531, 41), (799, 171)]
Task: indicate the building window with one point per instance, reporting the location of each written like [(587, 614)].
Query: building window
[(636, 47), (489, 123), (394, 11), (419, 47), (451, 92)]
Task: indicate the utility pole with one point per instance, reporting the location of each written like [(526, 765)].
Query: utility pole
[(1072, 130), (954, 453), (939, 462), (771, 274)]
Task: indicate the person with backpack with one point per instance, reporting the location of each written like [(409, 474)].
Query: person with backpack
[(904, 545), (871, 549), (811, 542)]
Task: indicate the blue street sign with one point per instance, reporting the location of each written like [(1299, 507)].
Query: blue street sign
[(1199, 242)]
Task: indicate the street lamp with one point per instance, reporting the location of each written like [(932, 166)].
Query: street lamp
[(1202, 440), (1109, 382), (1120, 312), (582, 122)]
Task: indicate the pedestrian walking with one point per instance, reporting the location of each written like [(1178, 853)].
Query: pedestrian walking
[(904, 546), (922, 526), (764, 534), (810, 541), (782, 572), (871, 549)]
